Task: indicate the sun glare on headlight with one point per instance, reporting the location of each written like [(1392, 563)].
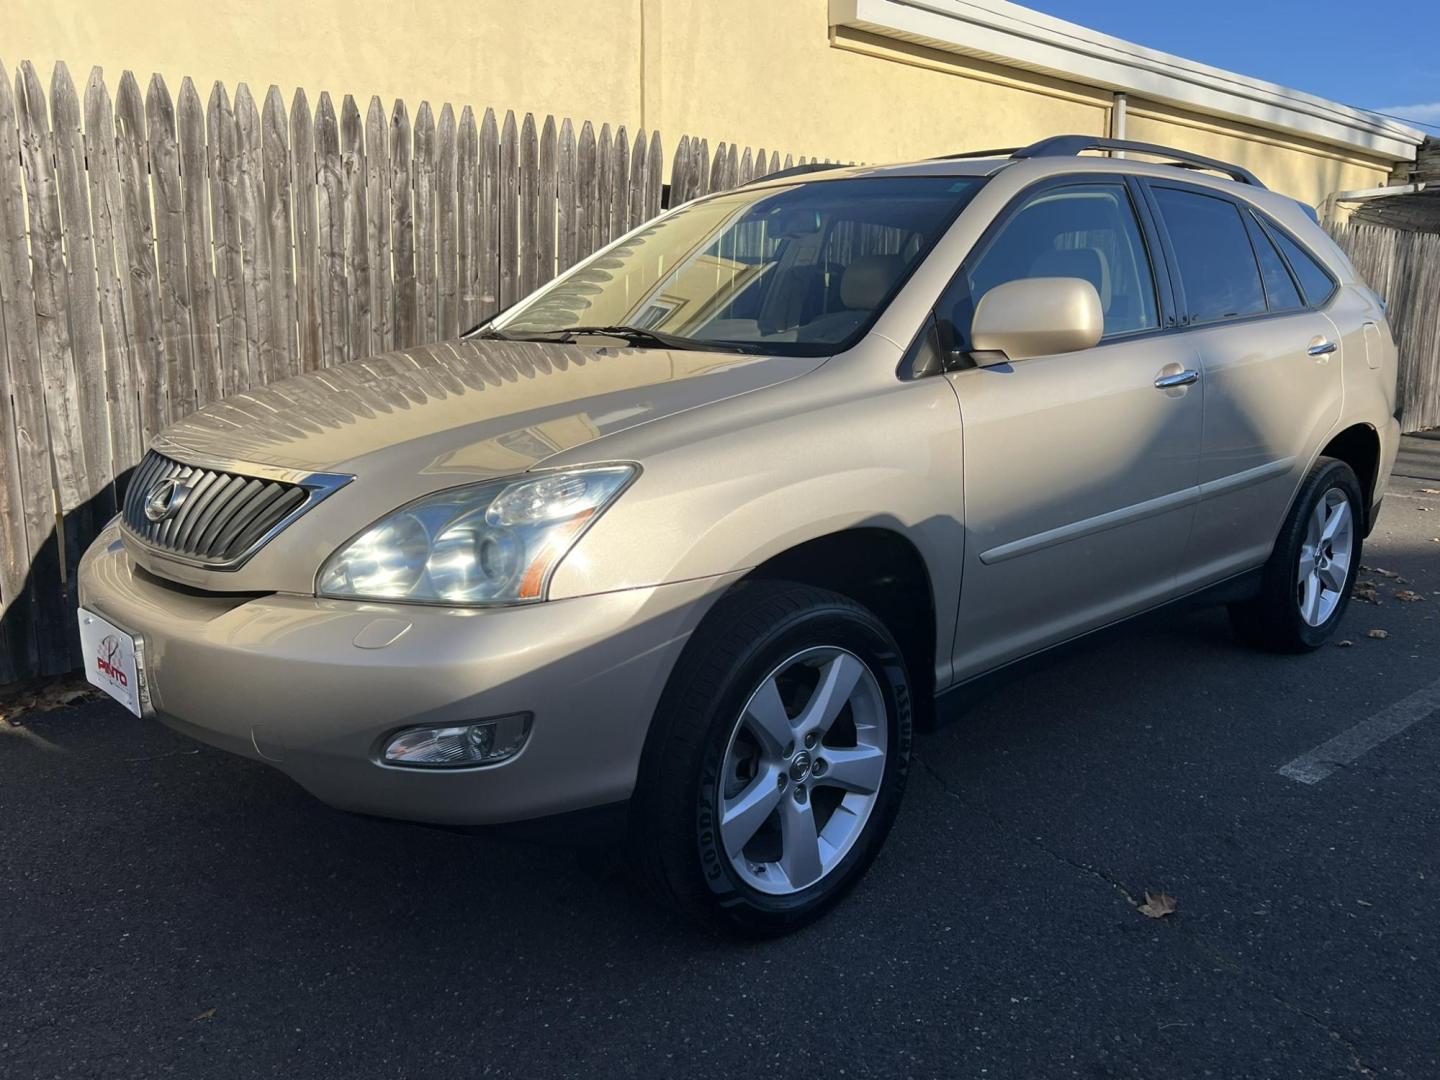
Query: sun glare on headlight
[(488, 543)]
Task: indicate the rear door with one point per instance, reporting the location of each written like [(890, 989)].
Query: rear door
[(1270, 368), (1079, 470)]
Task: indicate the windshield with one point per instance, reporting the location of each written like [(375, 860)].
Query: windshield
[(801, 270)]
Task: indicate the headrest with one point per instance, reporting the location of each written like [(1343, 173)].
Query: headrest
[(869, 279), (1088, 264)]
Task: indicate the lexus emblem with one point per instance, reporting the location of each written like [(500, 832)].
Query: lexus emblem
[(165, 498)]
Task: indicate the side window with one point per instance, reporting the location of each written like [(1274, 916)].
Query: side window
[(1218, 272), (1280, 289), (1315, 281), (1087, 231)]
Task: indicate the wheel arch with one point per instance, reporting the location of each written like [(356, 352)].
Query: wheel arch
[(882, 570), (1359, 447)]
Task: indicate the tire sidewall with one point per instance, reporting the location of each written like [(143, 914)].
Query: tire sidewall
[(839, 627)]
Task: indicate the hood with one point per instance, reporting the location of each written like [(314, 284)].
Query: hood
[(462, 410)]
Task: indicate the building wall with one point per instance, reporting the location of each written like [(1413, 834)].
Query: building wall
[(761, 72)]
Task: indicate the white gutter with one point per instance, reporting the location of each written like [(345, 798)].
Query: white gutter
[(1015, 36), (1365, 195)]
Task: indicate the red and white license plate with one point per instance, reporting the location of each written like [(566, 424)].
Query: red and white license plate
[(111, 662)]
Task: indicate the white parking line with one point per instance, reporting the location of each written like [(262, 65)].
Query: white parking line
[(1344, 748)]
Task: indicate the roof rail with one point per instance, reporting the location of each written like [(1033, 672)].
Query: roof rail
[(1073, 145), (1005, 151), (797, 170)]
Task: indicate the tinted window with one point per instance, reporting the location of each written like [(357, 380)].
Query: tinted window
[(1087, 231), (1217, 264), (1280, 288), (800, 269), (1317, 284)]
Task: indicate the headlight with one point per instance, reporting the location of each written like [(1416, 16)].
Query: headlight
[(493, 543)]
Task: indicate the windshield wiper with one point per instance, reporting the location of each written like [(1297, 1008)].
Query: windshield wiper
[(634, 335)]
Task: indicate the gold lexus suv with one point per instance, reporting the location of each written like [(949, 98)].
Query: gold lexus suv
[(702, 528)]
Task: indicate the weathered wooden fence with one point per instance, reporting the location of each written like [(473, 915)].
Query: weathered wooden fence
[(157, 253), (1404, 268)]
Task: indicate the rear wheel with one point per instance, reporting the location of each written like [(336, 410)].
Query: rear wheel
[(777, 761), (1307, 582)]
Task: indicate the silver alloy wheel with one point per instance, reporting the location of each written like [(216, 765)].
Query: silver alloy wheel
[(1325, 557), (802, 770)]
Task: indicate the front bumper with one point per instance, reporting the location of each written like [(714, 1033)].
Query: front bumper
[(299, 682)]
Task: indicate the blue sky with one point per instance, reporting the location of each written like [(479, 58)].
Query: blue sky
[(1324, 47)]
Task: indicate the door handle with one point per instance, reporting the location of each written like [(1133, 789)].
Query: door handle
[(1180, 378), (1322, 348)]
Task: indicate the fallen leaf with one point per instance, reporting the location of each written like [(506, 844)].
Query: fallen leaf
[(1157, 905), (1391, 574), (1377, 633), (208, 1014), (1365, 592), (1345, 643), (44, 695), (1408, 596), (1430, 491)]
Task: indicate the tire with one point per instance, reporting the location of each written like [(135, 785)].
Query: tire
[(1279, 618), (708, 748)]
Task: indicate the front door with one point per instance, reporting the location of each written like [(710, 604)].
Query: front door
[(1080, 472)]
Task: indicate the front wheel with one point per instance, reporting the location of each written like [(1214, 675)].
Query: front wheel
[(777, 761), (1307, 582)]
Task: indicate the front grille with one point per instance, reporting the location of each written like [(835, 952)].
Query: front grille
[(218, 519)]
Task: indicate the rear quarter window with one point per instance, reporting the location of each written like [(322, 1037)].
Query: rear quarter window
[(1315, 280)]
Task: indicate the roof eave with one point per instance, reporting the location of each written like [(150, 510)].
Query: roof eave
[(1016, 36)]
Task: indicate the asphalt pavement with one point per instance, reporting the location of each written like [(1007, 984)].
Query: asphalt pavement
[(170, 910)]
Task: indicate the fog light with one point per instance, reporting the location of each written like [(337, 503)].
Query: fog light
[(484, 742)]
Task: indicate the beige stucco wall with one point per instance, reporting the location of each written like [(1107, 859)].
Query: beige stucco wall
[(764, 72)]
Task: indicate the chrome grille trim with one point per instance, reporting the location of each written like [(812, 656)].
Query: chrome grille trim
[(227, 514)]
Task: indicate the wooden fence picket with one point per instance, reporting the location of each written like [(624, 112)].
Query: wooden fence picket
[(447, 236), (280, 233), (25, 457), (86, 339), (402, 223), (222, 146), (586, 191), (142, 287), (258, 288), (199, 248), (567, 249), (528, 225), (423, 179), (50, 290), (604, 188), (333, 291), (509, 200), (47, 615), (467, 179), (359, 259), (619, 185), (489, 224), (168, 204), (545, 196), (305, 176), (377, 228)]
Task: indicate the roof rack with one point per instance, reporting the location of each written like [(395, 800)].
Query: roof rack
[(1006, 151), (797, 170), (1073, 145)]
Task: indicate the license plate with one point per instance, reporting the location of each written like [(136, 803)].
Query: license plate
[(111, 660)]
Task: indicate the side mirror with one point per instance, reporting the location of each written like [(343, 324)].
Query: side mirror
[(1035, 317)]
